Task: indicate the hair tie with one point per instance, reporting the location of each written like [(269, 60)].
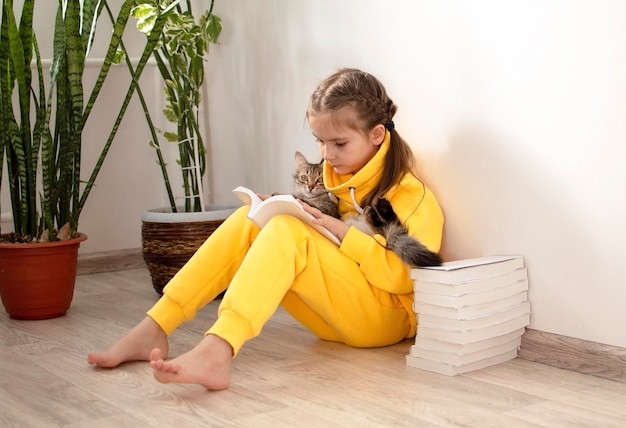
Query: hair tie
[(390, 125)]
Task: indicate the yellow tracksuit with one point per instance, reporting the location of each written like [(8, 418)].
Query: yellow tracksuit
[(358, 293)]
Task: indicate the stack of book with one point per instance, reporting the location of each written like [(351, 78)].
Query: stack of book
[(471, 314)]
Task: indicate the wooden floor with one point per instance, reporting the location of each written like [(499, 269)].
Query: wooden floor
[(284, 378)]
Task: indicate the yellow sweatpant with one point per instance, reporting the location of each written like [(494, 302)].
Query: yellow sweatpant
[(286, 263)]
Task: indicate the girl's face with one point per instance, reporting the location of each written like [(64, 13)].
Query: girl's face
[(344, 148)]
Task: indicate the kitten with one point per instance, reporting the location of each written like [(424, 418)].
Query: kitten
[(381, 218), (309, 186)]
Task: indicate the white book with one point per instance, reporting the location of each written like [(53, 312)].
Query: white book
[(467, 348), (261, 211), (444, 323), (464, 359), (460, 271), (471, 287), (470, 311), (472, 299), (450, 370), (467, 336)]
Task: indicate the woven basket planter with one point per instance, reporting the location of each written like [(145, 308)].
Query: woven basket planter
[(170, 239)]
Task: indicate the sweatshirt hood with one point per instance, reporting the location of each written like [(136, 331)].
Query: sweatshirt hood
[(361, 183)]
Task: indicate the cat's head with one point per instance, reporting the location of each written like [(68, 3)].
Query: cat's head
[(308, 177)]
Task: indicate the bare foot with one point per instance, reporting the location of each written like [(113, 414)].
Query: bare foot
[(135, 346), (208, 364)]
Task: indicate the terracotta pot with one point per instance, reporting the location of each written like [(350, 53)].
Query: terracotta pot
[(170, 239), (37, 280)]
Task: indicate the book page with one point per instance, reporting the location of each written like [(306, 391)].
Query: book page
[(277, 205), (247, 196)]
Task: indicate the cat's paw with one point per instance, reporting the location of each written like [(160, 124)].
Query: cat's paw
[(385, 211), (373, 219)]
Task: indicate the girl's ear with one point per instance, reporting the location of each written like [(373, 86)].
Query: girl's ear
[(377, 134)]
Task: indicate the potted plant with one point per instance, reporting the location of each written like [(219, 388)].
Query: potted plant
[(171, 235), (41, 126)]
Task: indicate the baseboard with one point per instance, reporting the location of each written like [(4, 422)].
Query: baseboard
[(109, 261), (578, 355)]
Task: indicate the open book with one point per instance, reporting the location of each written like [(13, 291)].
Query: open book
[(263, 210)]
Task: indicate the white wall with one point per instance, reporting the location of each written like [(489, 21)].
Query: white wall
[(515, 110)]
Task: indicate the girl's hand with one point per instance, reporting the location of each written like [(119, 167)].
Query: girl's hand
[(334, 225)]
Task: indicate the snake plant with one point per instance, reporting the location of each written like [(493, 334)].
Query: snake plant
[(42, 119)]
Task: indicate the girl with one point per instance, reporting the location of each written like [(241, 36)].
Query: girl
[(358, 293)]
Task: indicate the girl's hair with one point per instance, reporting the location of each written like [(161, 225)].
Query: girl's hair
[(368, 97)]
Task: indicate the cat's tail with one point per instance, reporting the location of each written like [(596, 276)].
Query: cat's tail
[(410, 250)]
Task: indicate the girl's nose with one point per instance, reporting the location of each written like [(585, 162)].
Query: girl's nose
[(327, 154)]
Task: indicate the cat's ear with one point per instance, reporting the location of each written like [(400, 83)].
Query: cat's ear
[(300, 159)]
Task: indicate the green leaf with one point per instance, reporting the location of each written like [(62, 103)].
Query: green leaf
[(143, 10), (172, 137), (213, 28), (170, 114), (146, 16), (196, 71)]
